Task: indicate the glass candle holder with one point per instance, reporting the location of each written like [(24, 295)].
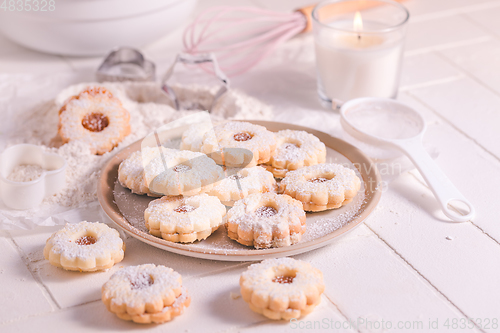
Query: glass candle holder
[(359, 48)]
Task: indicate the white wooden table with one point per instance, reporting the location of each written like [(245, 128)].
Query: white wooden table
[(408, 268)]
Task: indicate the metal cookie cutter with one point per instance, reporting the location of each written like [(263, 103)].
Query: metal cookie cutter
[(26, 195), (125, 64), (198, 59)]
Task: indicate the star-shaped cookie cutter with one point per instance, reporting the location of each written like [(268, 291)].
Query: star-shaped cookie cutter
[(199, 59)]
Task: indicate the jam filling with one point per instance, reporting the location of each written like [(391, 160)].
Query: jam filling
[(318, 180), (141, 281), (181, 168), (184, 209), (94, 91), (283, 279), (243, 136), (86, 240), (266, 211), (95, 122)]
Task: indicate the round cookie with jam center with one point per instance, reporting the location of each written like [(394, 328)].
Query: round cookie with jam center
[(321, 186), (265, 220), (240, 183), (282, 288), (85, 247), (145, 294), (295, 149), (131, 170), (192, 137), (96, 118), (239, 144), (184, 219), (181, 172)]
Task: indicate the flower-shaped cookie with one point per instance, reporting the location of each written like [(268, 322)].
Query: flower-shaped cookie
[(84, 247), (239, 144), (322, 186), (145, 294), (266, 220), (181, 173), (131, 170), (282, 288), (240, 183), (96, 118), (184, 219), (295, 150)]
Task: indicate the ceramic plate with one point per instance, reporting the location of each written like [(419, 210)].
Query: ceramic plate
[(127, 209)]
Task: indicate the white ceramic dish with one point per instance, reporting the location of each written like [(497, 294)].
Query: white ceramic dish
[(127, 209), (26, 195), (89, 28)]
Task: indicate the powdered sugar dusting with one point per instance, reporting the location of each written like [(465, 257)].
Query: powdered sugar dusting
[(296, 149), (140, 280), (265, 212), (319, 224), (148, 108), (239, 183)]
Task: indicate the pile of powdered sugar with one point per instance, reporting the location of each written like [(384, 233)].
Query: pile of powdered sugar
[(149, 109), (25, 173)]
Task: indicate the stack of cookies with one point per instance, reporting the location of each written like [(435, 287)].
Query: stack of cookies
[(146, 294)]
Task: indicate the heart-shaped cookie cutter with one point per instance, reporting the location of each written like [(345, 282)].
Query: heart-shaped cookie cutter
[(26, 195), (125, 64)]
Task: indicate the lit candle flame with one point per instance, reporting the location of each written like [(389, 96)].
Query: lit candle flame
[(358, 22)]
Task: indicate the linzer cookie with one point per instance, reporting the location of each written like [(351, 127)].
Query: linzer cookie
[(96, 118), (282, 288), (295, 149), (131, 170), (192, 138), (184, 219), (84, 247), (182, 172), (266, 220), (322, 186), (239, 144), (145, 294), (240, 183)]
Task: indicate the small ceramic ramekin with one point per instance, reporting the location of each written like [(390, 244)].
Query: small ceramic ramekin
[(26, 195)]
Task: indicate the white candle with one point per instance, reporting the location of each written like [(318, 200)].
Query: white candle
[(358, 57), (359, 64)]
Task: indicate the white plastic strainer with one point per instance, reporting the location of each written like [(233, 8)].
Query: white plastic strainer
[(392, 124)]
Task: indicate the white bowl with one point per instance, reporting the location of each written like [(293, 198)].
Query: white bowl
[(88, 28)]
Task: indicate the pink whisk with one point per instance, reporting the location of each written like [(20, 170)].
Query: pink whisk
[(241, 37)]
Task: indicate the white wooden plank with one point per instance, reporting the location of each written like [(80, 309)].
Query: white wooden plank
[(425, 8), (481, 61), (368, 281), (20, 294), (424, 69), (470, 107), (487, 18), (440, 32), (458, 259)]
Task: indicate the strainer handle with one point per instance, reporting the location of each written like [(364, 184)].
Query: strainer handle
[(439, 183)]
